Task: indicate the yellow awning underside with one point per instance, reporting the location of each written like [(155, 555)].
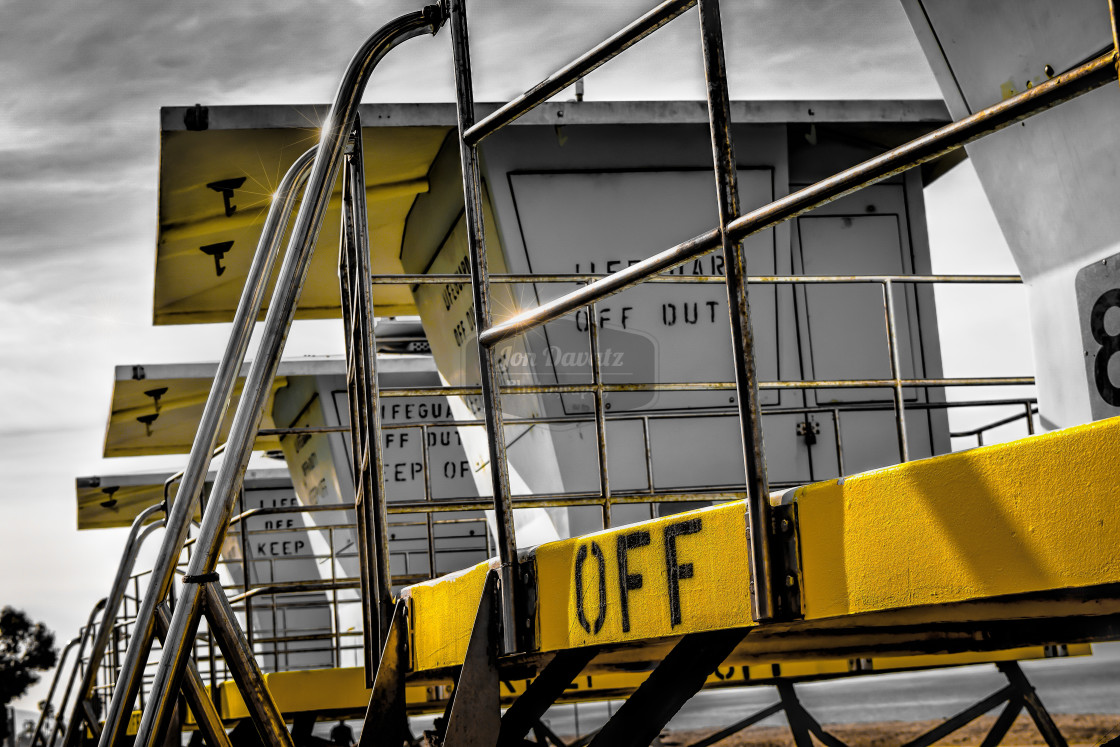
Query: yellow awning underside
[(193, 215), (176, 420), (108, 506)]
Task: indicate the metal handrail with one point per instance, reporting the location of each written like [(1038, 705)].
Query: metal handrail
[(198, 463), (271, 642), (46, 709), (1076, 82), (335, 132), (86, 633), (729, 234), (137, 533), (588, 277), (558, 81)]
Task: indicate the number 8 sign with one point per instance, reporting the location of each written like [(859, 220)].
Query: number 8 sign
[(1098, 303)]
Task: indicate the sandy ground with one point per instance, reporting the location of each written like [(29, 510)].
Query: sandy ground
[(1091, 729)]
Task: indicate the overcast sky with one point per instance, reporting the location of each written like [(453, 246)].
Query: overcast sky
[(81, 84)]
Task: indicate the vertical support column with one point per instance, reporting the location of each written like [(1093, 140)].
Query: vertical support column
[(480, 287), (600, 415), (742, 337), (896, 374), (365, 412)]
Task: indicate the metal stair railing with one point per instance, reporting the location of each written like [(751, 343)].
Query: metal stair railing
[(137, 533), (766, 574), (203, 595), (85, 635), (202, 450), (45, 712), (200, 588)]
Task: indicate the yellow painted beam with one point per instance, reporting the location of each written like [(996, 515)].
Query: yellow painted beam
[(1032, 516), (343, 689)]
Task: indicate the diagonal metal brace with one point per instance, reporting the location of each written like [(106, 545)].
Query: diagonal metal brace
[(549, 685), (680, 675), (386, 722), (474, 713)]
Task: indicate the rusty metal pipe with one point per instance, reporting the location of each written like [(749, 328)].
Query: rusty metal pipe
[(480, 289), (759, 566), (1080, 80), (588, 277), (578, 68)]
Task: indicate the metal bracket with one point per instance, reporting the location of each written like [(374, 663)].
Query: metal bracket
[(787, 560), (217, 251), (156, 394), (225, 187), (147, 420), (527, 598), (809, 430)]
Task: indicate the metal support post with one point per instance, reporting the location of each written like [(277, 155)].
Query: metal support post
[(542, 692), (896, 372), (194, 691), (137, 533), (194, 476), (281, 311), (762, 580), (365, 412), (802, 725), (1046, 726), (600, 414), (480, 288)]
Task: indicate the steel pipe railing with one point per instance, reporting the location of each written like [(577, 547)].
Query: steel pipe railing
[(480, 288), (580, 67), (86, 635), (589, 277), (368, 465), (46, 709), (137, 533), (198, 462), (1076, 82), (760, 584), (293, 272), (274, 642)]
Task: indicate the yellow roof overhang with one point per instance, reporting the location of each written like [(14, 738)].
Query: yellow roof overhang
[(202, 147), (109, 501), (141, 426), (182, 390), (254, 153)]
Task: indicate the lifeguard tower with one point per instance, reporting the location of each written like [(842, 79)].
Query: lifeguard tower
[(660, 505)]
